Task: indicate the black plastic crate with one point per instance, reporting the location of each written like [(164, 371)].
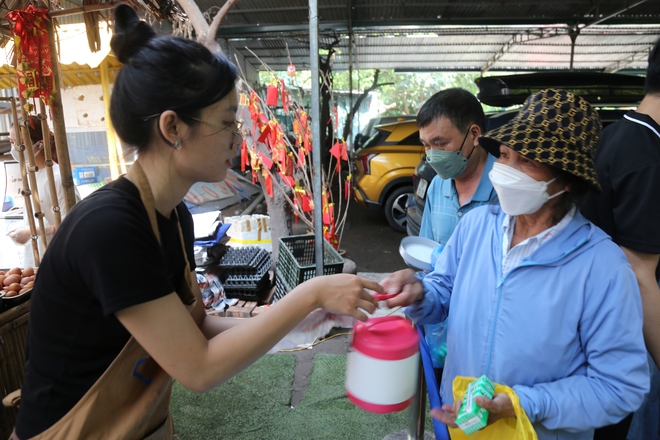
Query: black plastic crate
[(296, 259), (281, 287)]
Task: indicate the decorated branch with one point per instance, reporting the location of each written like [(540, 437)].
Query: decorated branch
[(269, 151)]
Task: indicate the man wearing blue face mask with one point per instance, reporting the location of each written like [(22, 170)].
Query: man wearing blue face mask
[(450, 123)]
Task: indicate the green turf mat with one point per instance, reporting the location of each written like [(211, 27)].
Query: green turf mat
[(244, 407), (326, 413), (255, 405)]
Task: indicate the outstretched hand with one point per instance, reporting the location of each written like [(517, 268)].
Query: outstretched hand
[(499, 407), (406, 285), (347, 294), (19, 235)]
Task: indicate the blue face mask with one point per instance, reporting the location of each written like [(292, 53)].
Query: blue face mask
[(448, 164)]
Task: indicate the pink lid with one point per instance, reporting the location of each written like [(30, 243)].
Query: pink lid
[(386, 337)]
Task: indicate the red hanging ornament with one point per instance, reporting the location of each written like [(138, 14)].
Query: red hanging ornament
[(268, 181), (285, 96), (348, 187), (264, 134), (266, 161), (245, 160), (307, 144), (36, 78), (271, 96), (291, 70)]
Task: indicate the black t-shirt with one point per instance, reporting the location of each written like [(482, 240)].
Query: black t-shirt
[(104, 258), (628, 168)]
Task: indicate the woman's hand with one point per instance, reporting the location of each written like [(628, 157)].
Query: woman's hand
[(19, 235), (406, 285), (447, 414), (346, 294), (500, 407)]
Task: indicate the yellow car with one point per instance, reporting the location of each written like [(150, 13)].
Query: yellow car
[(384, 166)]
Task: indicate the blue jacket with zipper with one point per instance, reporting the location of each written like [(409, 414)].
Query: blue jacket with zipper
[(563, 329)]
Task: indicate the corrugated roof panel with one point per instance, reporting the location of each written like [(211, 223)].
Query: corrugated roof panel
[(487, 32)]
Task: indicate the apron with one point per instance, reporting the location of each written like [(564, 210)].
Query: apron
[(131, 400)]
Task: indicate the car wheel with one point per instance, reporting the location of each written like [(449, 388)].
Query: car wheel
[(395, 207)]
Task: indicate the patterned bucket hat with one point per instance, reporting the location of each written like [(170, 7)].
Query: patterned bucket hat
[(554, 127)]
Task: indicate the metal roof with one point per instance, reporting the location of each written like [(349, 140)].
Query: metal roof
[(449, 35)]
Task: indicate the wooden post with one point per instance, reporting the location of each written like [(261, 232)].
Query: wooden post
[(25, 192), (59, 129), (49, 163), (114, 157)]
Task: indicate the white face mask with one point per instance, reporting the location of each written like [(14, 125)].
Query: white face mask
[(14, 153), (519, 194)]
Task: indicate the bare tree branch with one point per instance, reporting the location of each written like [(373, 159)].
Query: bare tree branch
[(196, 17), (209, 40), (349, 120)]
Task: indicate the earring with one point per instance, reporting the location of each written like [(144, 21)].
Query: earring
[(177, 144)]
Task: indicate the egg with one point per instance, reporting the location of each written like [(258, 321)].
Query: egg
[(10, 293), (28, 271), (11, 279), (14, 271), (15, 287)]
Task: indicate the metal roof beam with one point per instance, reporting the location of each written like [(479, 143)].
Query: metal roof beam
[(515, 39), (614, 14), (622, 64), (384, 25)]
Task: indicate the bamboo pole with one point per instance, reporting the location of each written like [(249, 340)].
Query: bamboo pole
[(25, 192), (83, 9), (49, 163), (32, 169), (59, 129)]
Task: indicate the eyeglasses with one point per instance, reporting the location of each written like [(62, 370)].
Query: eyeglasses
[(236, 132)]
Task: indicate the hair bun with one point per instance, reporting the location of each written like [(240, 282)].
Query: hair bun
[(130, 33)]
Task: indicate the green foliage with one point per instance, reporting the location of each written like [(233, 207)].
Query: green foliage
[(406, 93)]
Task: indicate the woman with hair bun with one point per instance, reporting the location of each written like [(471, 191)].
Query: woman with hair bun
[(116, 312)]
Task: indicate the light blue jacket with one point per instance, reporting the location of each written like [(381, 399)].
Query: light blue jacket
[(563, 329)]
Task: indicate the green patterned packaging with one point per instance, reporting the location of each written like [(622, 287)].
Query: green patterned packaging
[(471, 417)]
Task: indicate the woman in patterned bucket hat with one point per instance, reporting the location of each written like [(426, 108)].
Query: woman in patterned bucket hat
[(535, 295), (554, 127)]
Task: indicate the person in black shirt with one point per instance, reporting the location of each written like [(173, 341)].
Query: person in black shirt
[(628, 209), (116, 312)]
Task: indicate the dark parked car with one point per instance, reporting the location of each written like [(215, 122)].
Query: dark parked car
[(611, 94)]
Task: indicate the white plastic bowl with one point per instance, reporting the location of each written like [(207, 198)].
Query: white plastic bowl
[(416, 252)]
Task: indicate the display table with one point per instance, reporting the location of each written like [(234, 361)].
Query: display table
[(13, 334)]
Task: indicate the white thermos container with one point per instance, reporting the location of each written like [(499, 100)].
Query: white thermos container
[(383, 364)]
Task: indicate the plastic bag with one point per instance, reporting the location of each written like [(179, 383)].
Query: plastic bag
[(213, 294), (315, 325), (518, 428), (436, 339)]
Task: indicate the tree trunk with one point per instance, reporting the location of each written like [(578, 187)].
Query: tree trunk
[(280, 215)]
